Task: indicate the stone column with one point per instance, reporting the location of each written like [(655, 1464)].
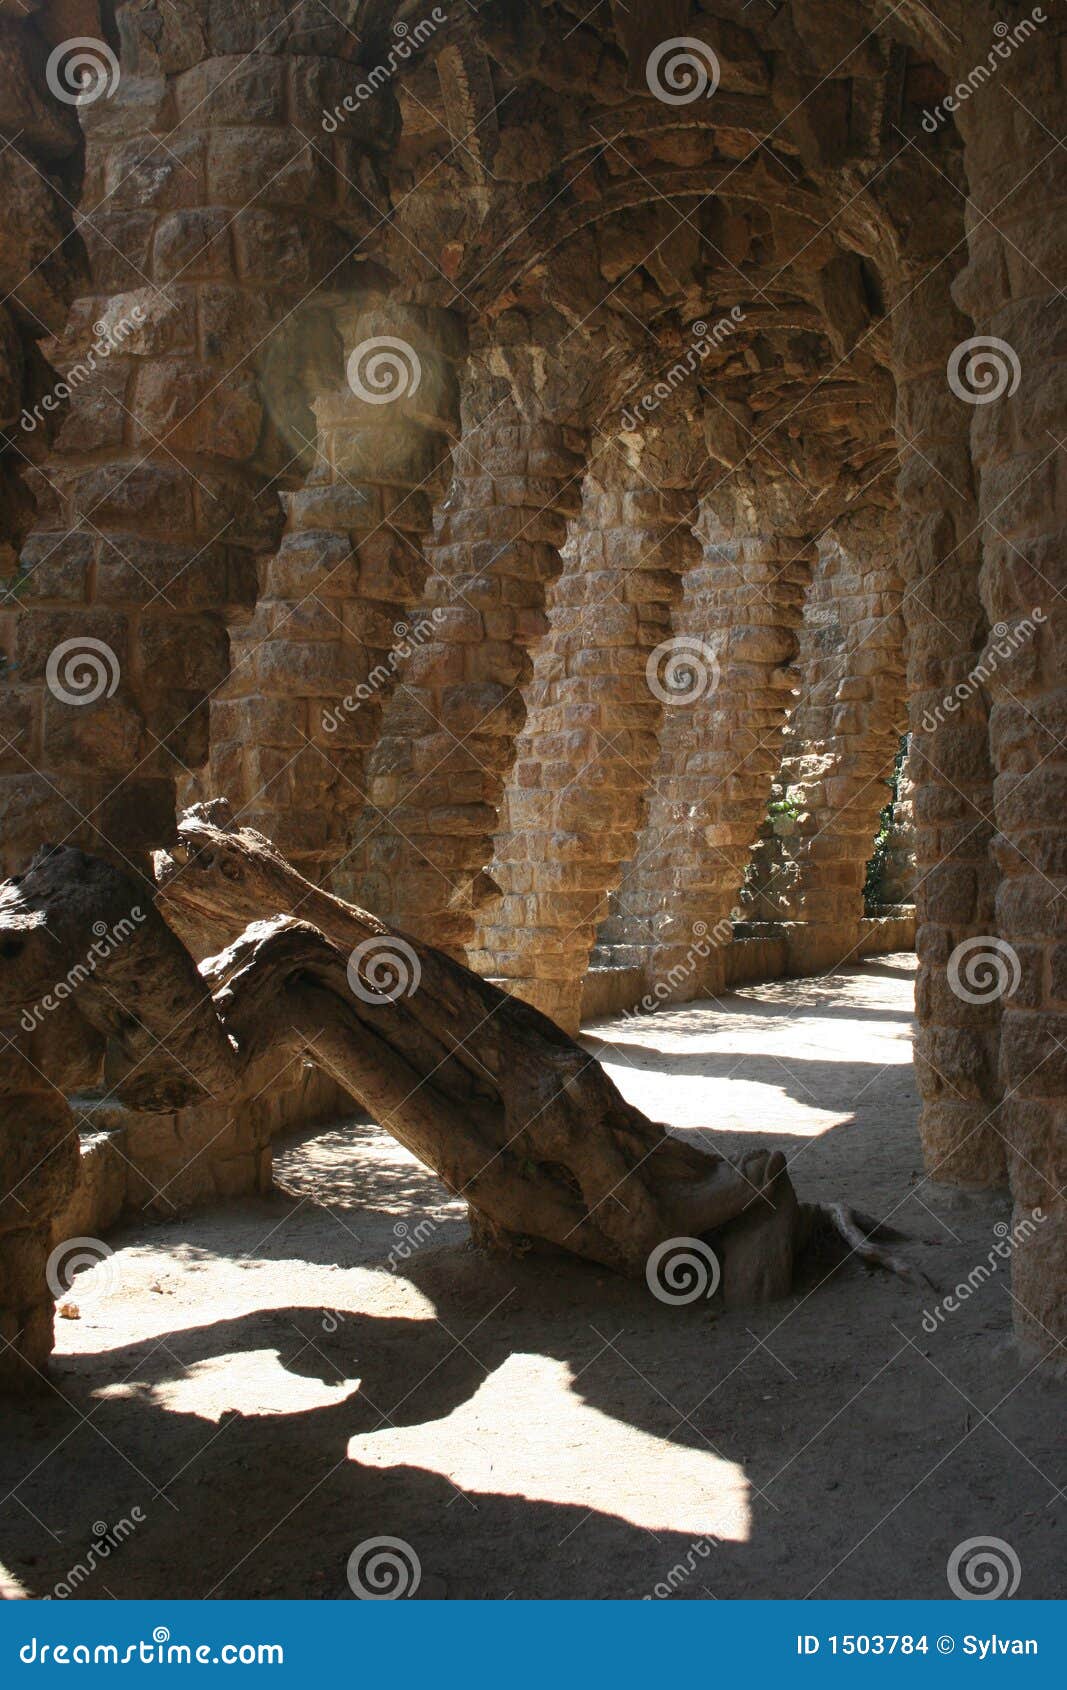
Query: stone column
[(584, 758), (1018, 193), (448, 738), (215, 217), (38, 1168), (728, 694), (844, 734), (313, 669), (43, 267), (212, 213), (42, 261), (946, 629), (33, 1125)]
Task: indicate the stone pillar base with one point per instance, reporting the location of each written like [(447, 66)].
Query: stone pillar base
[(560, 1000), (1039, 1287), (25, 1312)]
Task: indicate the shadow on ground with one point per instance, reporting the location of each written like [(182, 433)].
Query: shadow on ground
[(275, 1383)]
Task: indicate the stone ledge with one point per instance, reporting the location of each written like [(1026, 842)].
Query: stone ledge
[(764, 951), (166, 1163)]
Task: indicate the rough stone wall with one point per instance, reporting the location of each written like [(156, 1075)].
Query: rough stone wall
[(210, 223), (770, 884), (1018, 188), (132, 1164), (42, 267), (42, 262), (313, 669), (810, 857), (40, 1170), (956, 1045)]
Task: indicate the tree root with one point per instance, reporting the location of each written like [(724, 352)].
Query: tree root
[(826, 1226)]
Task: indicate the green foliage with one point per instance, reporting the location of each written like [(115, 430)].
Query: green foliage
[(872, 886), (786, 806)]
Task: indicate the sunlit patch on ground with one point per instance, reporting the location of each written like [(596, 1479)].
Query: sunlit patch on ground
[(569, 1453), (769, 1059), (250, 1382), (10, 1588)]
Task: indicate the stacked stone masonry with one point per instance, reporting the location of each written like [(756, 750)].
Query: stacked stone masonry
[(736, 628), (586, 753), (1014, 227), (819, 846), (581, 631), (846, 731), (448, 738)]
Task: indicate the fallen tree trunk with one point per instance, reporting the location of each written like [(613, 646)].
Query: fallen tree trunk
[(513, 1115)]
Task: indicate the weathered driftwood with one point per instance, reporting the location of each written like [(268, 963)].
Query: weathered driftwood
[(512, 1114)]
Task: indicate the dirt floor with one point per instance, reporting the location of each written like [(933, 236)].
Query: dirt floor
[(271, 1384)]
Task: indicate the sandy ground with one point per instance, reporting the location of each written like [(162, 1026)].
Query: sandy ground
[(272, 1384)]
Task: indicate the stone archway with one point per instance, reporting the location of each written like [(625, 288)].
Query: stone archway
[(780, 269)]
